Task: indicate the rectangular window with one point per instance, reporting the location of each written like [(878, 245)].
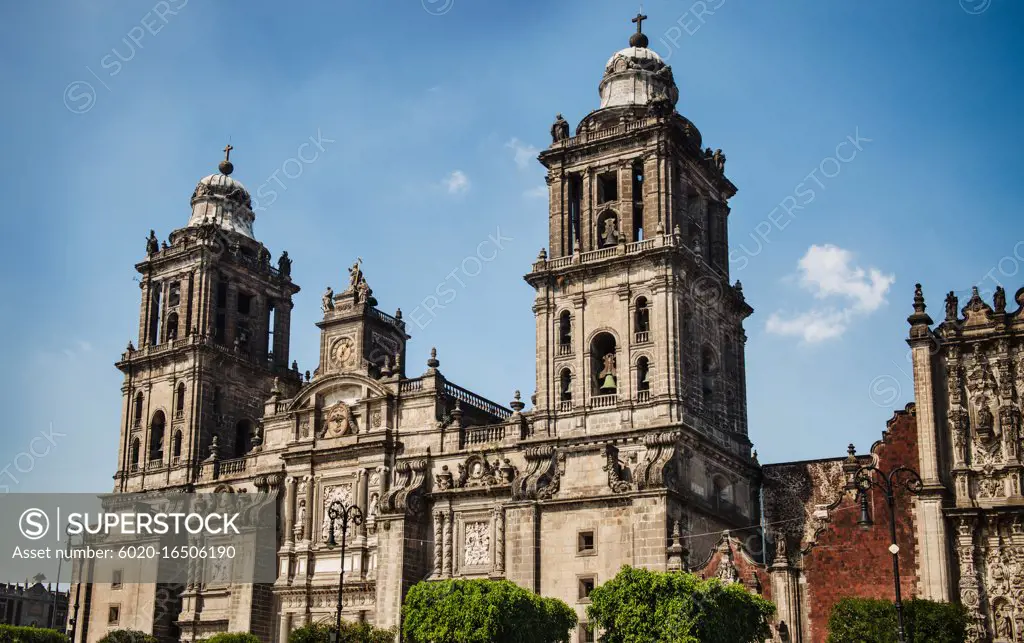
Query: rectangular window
[(116, 579), (607, 187), (113, 614), (585, 543), (222, 294), (244, 303), (220, 329), (586, 584)]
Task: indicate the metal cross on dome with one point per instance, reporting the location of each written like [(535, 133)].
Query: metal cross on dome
[(227, 152), (639, 20)]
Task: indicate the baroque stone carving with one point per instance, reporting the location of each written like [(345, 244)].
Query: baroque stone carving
[(477, 548), (662, 467), (342, 493), (406, 492), (338, 421), (541, 477), (618, 480)]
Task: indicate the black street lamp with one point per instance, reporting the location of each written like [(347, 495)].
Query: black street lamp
[(888, 483), (347, 515)]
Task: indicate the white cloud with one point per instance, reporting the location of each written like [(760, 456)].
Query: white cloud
[(828, 272), (525, 154), (457, 182), (539, 192)]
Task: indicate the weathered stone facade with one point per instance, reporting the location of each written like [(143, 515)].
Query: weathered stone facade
[(635, 451)]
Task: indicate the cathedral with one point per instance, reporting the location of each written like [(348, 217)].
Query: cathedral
[(632, 450)]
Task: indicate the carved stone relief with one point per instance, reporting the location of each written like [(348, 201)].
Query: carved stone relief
[(477, 548)]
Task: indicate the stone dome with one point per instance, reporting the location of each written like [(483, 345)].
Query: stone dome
[(222, 200), (636, 76)]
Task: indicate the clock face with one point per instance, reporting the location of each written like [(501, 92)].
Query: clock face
[(343, 352)]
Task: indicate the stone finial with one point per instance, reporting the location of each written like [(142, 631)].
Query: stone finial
[(433, 362), (275, 390), (739, 287), (517, 404), (851, 453), (753, 458), (659, 229), (398, 314), (542, 255), (457, 414), (131, 347), (919, 321), (295, 366), (307, 376)]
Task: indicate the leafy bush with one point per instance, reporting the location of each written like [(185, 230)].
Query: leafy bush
[(127, 636), (233, 637), (484, 611), (862, 619), (17, 634), (350, 633), (643, 606)]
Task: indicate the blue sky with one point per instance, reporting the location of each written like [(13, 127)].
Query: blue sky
[(429, 114)]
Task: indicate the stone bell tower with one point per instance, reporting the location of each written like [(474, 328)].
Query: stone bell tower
[(214, 325), (638, 327)]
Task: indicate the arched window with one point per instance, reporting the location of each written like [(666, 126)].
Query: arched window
[(722, 492), (176, 448), (139, 403), (565, 385), (134, 455), (565, 333), (707, 371), (179, 401), (642, 320), (156, 437), (605, 376), (243, 438), (643, 378), (171, 326)]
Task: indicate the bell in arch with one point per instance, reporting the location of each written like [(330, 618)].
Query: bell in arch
[(608, 384)]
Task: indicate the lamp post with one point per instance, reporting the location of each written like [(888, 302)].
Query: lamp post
[(347, 515), (888, 483), (72, 623)]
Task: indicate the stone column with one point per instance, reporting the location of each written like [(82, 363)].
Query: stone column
[(307, 523), (448, 525), (360, 499), (933, 552), (438, 542), (289, 510), (285, 627), (499, 541)]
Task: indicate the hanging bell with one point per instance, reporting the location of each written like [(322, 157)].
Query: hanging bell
[(608, 384), (647, 377)]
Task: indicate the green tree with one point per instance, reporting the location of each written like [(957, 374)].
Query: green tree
[(22, 634), (127, 636), (854, 620), (643, 606), (350, 633), (483, 611)]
